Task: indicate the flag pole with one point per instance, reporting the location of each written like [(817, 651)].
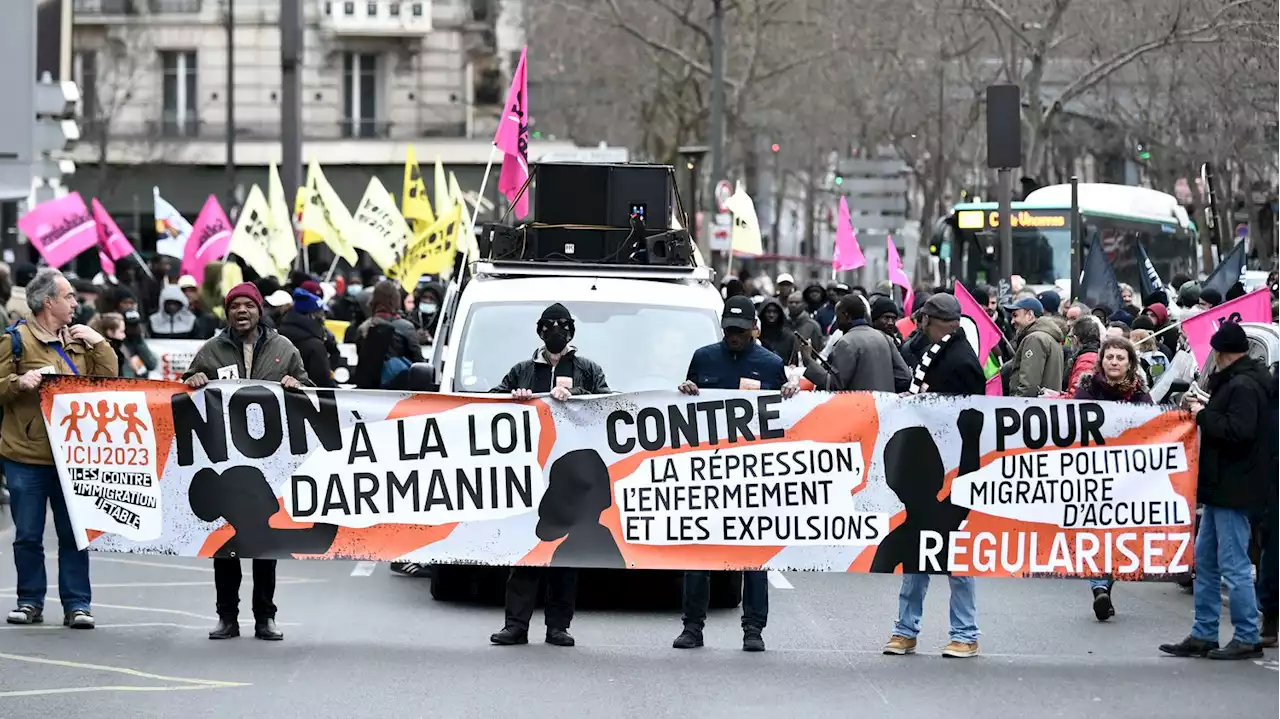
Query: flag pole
[(484, 182), (328, 277)]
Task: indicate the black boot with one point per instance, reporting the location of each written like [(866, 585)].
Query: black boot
[(228, 628), (751, 640), (1189, 647), (1237, 649), (510, 636), (1103, 608), (266, 629), (1268, 630), (559, 637), (688, 639)]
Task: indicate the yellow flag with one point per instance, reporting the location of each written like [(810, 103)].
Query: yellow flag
[(252, 236), (299, 205), (415, 204), (746, 226), (430, 253), (232, 275), (326, 216), (378, 227), (283, 244), (441, 189), (466, 232)]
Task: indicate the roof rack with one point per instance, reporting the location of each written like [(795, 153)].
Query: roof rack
[(586, 269)]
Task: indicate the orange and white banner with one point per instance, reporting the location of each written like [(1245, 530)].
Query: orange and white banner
[(850, 482)]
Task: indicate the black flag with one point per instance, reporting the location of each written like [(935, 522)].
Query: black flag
[(1151, 282), (1098, 286), (1228, 272)]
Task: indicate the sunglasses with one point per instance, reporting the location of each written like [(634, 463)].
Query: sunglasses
[(547, 325)]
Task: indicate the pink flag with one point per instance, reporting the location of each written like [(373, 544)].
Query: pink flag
[(513, 138), (60, 229), (1253, 307), (848, 255), (209, 241), (988, 332), (112, 244), (898, 276), (995, 388)]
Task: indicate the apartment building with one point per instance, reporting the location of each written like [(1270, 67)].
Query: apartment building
[(157, 78)]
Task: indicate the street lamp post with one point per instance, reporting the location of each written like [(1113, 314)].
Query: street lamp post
[(693, 155)]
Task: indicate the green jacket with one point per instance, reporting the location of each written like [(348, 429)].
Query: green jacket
[(1037, 363), (274, 358)]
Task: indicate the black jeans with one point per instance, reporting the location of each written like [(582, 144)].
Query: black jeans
[(755, 599), (226, 578), (522, 595), (1268, 578)]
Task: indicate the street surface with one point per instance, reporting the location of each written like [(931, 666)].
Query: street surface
[(360, 642)]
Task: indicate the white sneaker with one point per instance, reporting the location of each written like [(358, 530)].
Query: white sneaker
[(79, 619)]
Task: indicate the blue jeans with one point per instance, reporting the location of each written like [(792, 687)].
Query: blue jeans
[(755, 599), (964, 611), (1101, 583), (32, 489), (1222, 554)]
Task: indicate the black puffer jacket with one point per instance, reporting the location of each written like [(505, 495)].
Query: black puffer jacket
[(308, 335), (1238, 437), (537, 375), (777, 337)]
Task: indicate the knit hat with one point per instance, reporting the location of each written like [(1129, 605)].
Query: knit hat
[(1121, 316), (882, 306), (313, 287), (244, 289), (1189, 294), (1230, 338), (555, 312), (305, 303), (1211, 296)]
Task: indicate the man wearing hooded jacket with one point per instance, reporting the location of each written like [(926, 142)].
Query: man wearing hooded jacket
[(555, 368)]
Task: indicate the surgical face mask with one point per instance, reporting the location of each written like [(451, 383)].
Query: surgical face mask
[(428, 308), (353, 290)]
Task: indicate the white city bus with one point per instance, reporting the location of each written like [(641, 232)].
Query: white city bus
[(1119, 215)]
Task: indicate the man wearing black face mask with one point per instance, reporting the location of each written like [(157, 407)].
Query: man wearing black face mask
[(555, 368), (736, 362)]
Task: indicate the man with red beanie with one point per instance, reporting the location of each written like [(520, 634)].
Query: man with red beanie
[(246, 350)]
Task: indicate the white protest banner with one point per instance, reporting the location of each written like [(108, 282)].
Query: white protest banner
[(849, 482)]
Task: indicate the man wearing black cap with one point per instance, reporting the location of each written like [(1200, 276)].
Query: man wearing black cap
[(1037, 362), (554, 368), (1237, 477), (736, 362)]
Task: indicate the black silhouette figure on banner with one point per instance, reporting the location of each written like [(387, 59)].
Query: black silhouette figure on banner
[(578, 490), (243, 497), (105, 415), (133, 423), (914, 471), (76, 413)]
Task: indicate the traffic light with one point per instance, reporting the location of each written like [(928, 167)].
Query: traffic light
[(775, 147), (56, 131), (839, 179)]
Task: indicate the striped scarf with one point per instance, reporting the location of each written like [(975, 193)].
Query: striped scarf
[(918, 385)]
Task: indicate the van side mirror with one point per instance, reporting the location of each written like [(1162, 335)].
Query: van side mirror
[(422, 377)]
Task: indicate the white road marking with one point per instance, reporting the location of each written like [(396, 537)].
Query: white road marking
[(192, 683), (779, 581), (109, 688), (162, 565), (52, 626), (363, 569), (53, 588)]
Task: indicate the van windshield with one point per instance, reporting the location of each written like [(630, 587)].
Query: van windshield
[(640, 347)]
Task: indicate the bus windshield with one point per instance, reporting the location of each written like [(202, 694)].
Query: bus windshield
[(1042, 244)]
